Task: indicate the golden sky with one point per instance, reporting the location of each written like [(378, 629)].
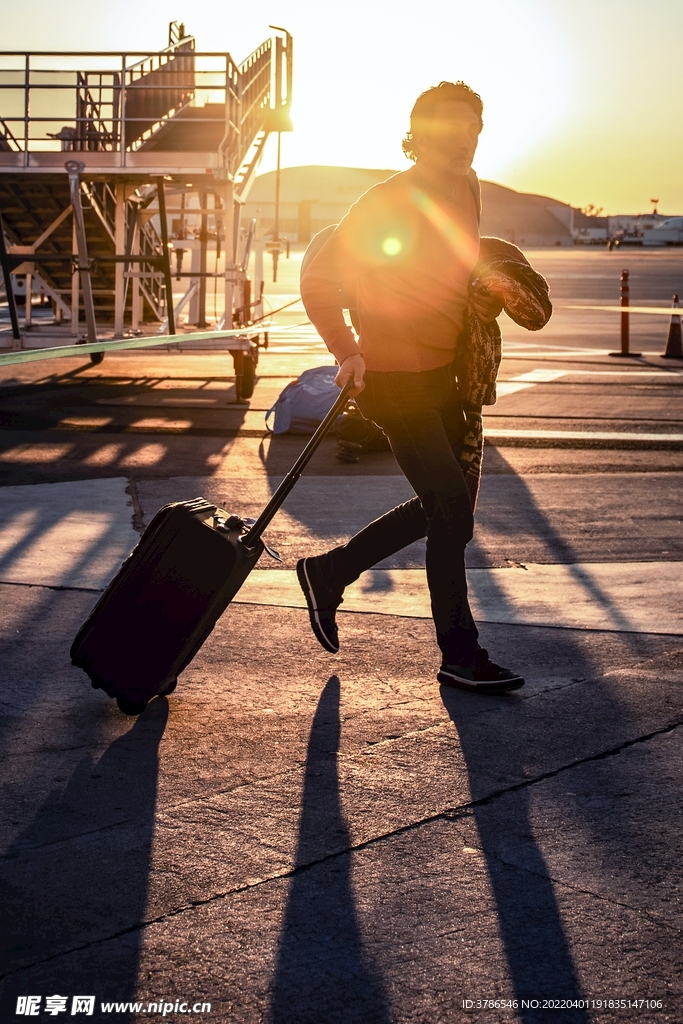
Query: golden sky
[(583, 99)]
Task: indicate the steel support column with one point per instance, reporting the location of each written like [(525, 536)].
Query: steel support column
[(168, 284), (230, 255), (28, 310), (203, 243), (74, 169), (120, 268), (75, 294), (7, 277)]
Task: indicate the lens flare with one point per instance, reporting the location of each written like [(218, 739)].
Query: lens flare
[(466, 247), (391, 246)]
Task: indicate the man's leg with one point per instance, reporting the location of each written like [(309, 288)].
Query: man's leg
[(424, 428), (330, 573), (323, 578), (380, 539), (425, 453), (424, 449), (413, 409)]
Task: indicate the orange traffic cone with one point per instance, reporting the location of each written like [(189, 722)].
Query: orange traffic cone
[(674, 343)]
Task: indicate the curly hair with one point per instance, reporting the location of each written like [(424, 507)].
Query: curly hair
[(425, 111)]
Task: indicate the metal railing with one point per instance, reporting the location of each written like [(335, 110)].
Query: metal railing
[(157, 88), (120, 102)]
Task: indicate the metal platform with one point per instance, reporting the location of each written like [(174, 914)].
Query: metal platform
[(158, 150)]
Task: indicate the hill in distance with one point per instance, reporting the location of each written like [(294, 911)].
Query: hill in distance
[(520, 217)]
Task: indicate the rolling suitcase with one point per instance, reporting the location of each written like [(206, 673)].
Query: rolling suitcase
[(168, 595)]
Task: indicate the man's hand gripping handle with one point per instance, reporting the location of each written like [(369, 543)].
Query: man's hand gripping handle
[(351, 371)]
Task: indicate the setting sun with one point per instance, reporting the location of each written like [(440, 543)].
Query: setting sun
[(581, 100)]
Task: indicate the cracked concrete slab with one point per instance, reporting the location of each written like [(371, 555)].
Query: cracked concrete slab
[(77, 533), (502, 899), (249, 790)]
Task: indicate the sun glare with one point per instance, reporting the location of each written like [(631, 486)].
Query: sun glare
[(581, 100), (391, 246), (519, 63), (458, 239)]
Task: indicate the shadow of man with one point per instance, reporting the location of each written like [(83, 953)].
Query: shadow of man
[(78, 876), (537, 949), (322, 974)]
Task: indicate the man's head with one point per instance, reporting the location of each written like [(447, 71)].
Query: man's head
[(444, 128)]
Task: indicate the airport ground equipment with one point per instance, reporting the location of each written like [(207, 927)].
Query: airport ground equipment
[(116, 134)]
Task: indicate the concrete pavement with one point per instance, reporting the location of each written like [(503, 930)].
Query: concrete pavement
[(302, 838)]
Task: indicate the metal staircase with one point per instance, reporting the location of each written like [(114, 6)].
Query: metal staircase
[(34, 207), (176, 121)]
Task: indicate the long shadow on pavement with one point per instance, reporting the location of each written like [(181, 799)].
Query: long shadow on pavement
[(537, 950), (322, 974), (79, 873)]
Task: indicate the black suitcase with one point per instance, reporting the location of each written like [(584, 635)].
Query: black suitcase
[(160, 607)]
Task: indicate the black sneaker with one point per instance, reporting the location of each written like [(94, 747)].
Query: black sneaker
[(480, 675), (322, 602)]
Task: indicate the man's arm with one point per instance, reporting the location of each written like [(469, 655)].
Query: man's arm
[(321, 286), (328, 284)]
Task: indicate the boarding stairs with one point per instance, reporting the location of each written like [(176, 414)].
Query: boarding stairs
[(190, 119), (38, 211)]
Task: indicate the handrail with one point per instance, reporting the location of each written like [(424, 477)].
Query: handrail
[(103, 53), (118, 109)]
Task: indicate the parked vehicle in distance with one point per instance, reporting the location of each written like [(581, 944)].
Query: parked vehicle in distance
[(669, 232)]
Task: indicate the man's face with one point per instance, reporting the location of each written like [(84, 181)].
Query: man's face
[(450, 141)]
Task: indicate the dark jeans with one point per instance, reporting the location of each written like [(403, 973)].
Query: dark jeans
[(421, 416)]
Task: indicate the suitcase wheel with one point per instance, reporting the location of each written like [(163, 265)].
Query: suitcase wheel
[(130, 707), (168, 689)]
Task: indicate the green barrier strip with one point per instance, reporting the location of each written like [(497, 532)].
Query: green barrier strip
[(650, 310), (33, 354)]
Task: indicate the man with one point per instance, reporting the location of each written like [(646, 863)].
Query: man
[(402, 258)]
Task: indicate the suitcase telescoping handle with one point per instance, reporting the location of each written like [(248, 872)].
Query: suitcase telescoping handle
[(297, 469)]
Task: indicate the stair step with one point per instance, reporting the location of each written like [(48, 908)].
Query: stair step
[(29, 206)]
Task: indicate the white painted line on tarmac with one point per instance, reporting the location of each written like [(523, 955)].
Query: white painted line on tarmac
[(527, 380), (663, 372), (640, 597), (527, 345), (563, 354), (567, 357), (584, 435)]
